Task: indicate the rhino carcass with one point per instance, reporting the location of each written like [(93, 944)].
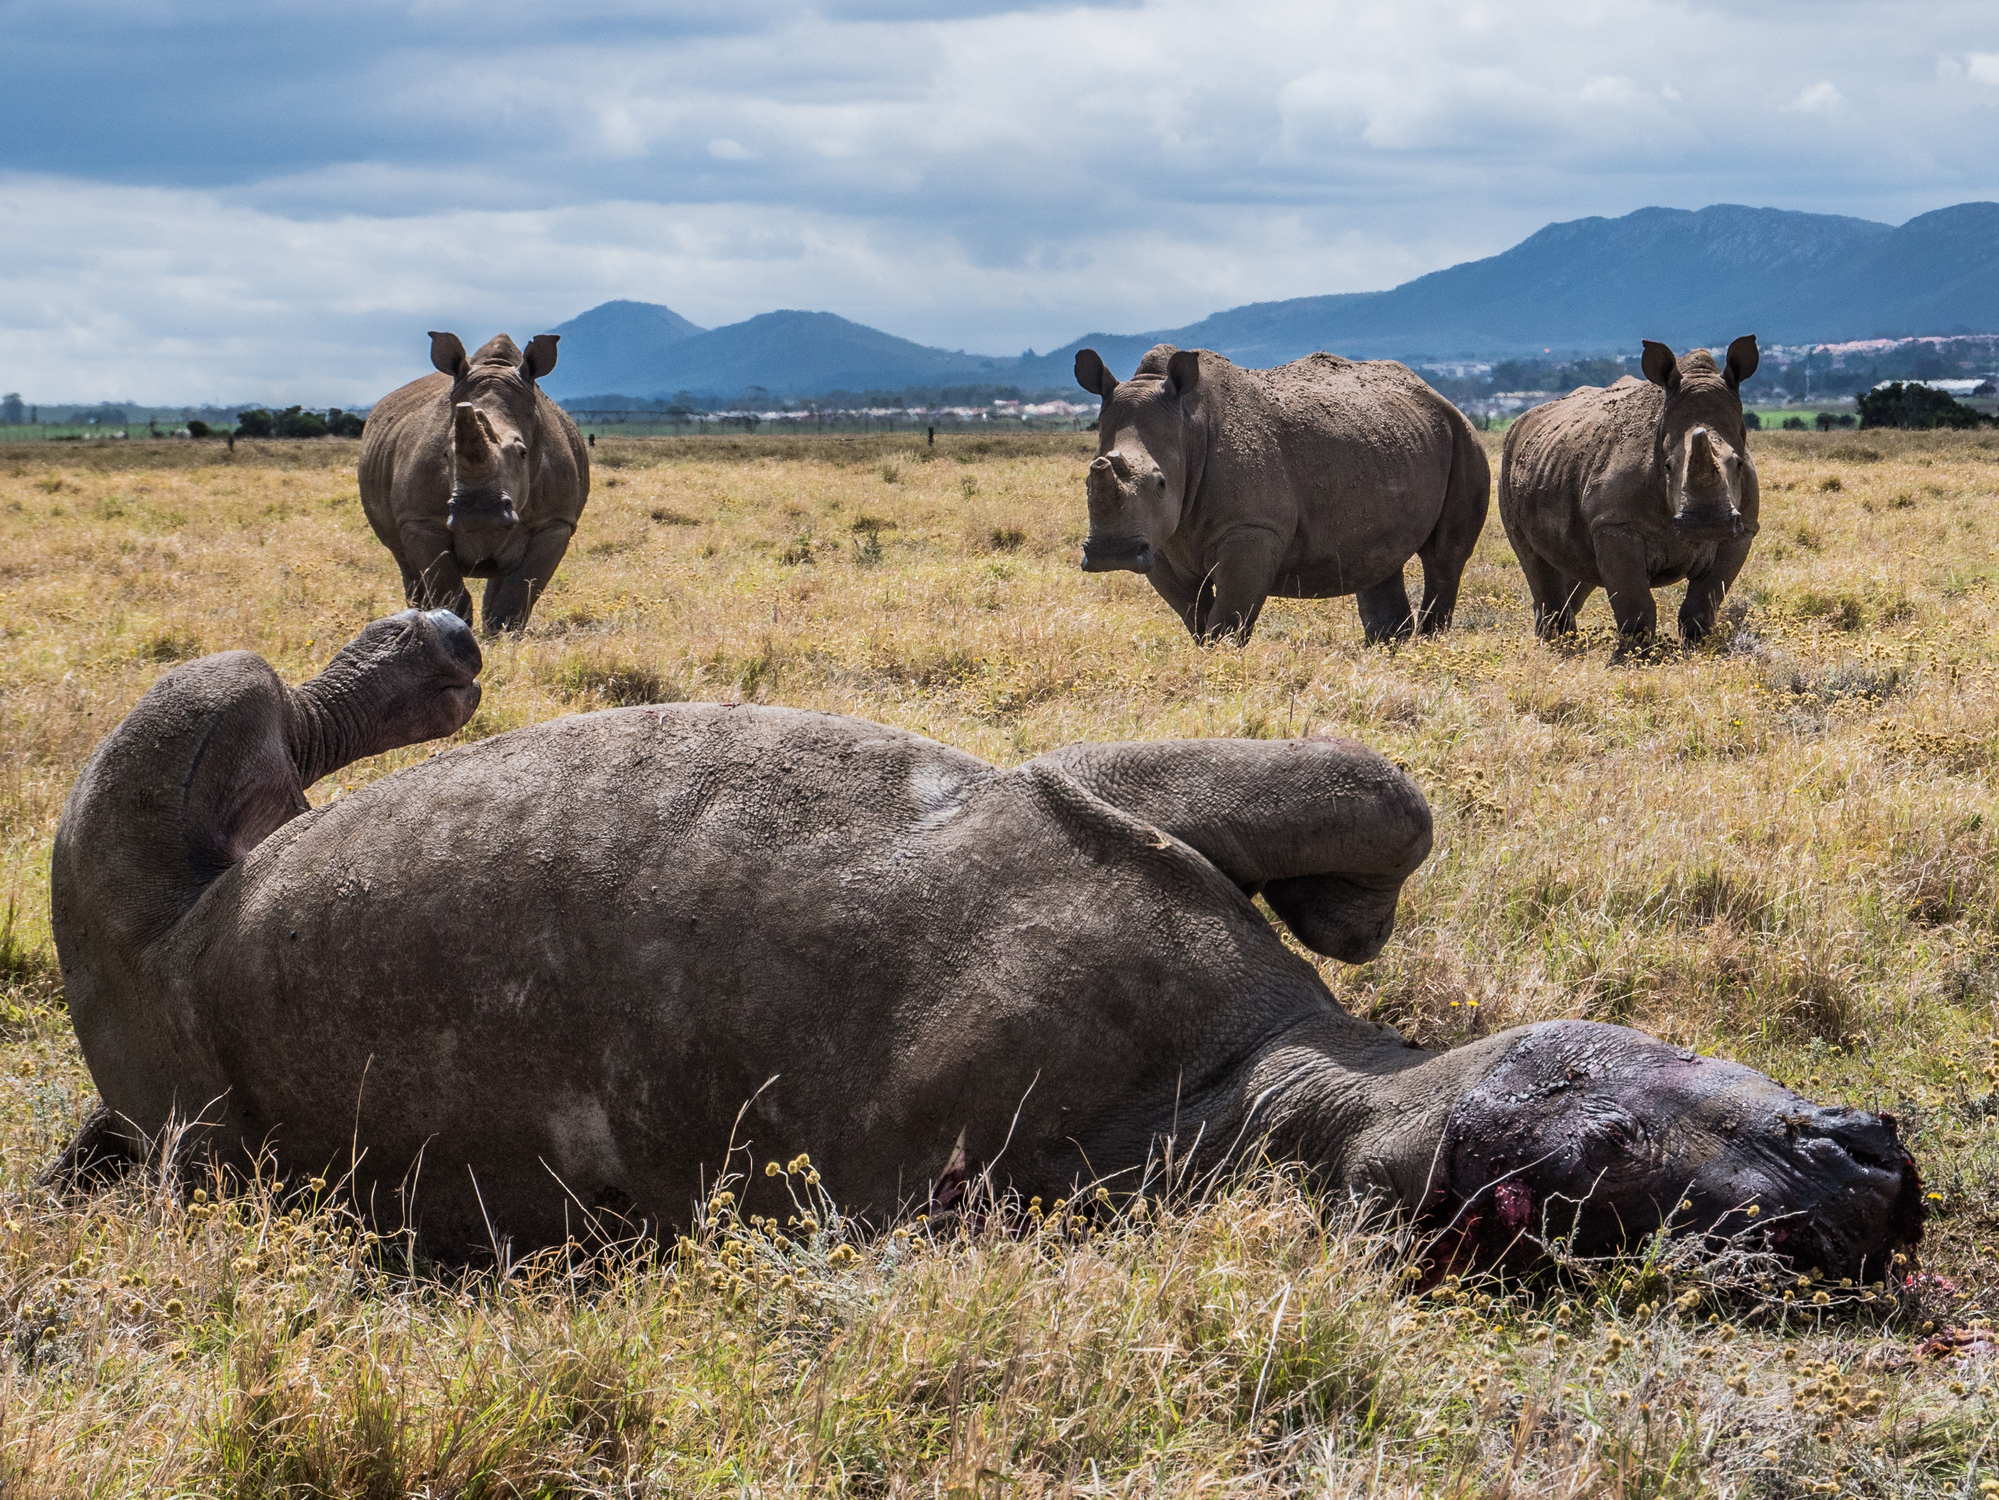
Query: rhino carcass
[(563, 968)]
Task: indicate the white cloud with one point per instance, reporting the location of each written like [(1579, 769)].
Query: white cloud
[(181, 296), (967, 176), (1819, 98)]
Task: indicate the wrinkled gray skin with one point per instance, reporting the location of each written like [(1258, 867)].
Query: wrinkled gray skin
[(540, 975), (1319, 478), (474, 473), (1632, 488)]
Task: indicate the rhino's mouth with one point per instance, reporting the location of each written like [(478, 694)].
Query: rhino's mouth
[(1708, 523), (1130, 554)]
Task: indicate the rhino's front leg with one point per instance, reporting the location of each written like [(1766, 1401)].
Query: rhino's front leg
[(1706, 590), (1620, 562), (1245, 565), (1182, 594), (510, 597), (431, 576)]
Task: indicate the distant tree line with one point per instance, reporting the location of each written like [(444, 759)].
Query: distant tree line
[(1918, 407), (684, 404), (1557, 375), (292, 422)]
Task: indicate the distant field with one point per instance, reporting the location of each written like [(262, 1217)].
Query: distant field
[(1781, 847)]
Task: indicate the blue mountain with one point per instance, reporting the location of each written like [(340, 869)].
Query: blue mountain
[(1589, 285)]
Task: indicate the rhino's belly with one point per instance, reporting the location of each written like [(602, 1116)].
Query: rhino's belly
[(579, 966)]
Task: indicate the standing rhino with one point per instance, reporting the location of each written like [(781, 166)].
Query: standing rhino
[(803, 932), (474, 473), (1632, 487), (1316, 479)]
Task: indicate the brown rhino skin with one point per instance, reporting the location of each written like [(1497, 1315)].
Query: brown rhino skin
[(474, 472), (557, 973), (1632, 488), (1319, 478)]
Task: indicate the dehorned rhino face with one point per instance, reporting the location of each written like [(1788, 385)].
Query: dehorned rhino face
[(1137, 485), (1702, 449), (493, 442), (1596, 1135)]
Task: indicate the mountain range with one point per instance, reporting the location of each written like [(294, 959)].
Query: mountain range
[(1586, 286)]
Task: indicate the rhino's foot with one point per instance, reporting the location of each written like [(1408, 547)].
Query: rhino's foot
[(96, 1156), (1597, 1136)]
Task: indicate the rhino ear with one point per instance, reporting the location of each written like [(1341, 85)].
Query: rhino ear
[(1661, 366), (540, 358), (447, 352), (1093, 375), (1742, 360), (1183, 372)]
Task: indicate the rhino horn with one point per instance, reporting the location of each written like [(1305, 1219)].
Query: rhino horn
[(1700, 456), (1120, 465), (471, 437)]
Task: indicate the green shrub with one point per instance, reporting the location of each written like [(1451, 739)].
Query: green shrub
[(1916, 406)]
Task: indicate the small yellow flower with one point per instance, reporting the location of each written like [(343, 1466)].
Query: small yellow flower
[(771, 1169), (1753, 1210), (175, 1307)]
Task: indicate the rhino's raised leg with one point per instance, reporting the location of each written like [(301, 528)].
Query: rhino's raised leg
[(1245, 567), (1706, 590), (213, 759), (1327, 830), (431, 577), (1620, 560), (1384, 610), (510, 597)]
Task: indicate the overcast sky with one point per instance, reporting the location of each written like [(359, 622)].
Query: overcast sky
[(225, 201)]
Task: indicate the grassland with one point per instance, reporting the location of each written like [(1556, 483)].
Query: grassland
[(1780, 847)]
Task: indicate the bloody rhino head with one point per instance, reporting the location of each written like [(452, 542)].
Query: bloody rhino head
[(492, 455), (1146, 456), (1701, 448), (1596, 1136)]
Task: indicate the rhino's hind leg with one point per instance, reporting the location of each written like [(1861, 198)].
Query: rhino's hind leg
[(1556, 596), (96, 1156), (1384, 610)]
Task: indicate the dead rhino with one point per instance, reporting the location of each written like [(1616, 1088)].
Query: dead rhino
[(1319, 478), (1632, 488), (558, 971), (475, 473)]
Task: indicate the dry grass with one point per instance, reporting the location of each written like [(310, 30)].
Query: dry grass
[(1779, 847)]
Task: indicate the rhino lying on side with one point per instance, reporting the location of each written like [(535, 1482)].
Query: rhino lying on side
[(1634, 487), (541, 974), (1319, 478), (474, 473)]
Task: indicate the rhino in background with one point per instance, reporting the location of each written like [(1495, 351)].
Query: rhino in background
[(475, 473), (1318, 478), (1632, 487)]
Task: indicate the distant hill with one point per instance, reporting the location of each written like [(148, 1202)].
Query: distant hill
[(1590, 285), (784, 353)]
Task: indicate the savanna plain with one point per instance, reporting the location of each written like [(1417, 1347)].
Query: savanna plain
[(1780, 847)]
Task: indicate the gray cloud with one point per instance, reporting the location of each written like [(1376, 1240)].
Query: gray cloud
[(230, 200)]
